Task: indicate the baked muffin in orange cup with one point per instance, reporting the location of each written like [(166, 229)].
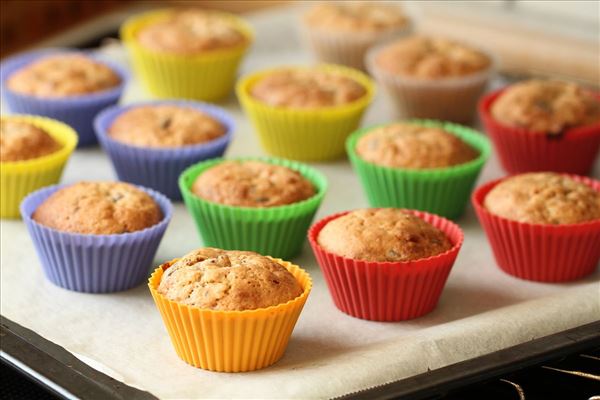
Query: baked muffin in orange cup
[(541, 125), (385, 264), (229, 311), (542, 226)]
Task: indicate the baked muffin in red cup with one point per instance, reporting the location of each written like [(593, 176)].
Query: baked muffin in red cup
[(543, 125), (385, 264), (542, 226)]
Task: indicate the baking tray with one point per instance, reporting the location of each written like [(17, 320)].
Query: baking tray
[(121, 337)]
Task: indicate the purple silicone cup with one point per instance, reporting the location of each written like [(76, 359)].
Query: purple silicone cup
[(94, 263), (159, 168), (76, 111)]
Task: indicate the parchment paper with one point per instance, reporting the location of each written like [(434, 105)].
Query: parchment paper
[(481, 310)]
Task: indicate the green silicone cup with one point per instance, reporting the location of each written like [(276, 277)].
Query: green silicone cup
[(275, 231), (442, 191)]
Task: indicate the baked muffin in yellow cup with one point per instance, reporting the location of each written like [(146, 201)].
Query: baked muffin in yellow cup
[(34, 151), (305, 113), (229, 311), (187, 53)]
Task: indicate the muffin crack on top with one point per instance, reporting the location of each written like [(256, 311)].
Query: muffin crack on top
[(252, 184), (63, 75), (306, 88), (349, 17), (383, 234), (98, 208), (225, 280), (21, 141), (545, 106), (544, 198)]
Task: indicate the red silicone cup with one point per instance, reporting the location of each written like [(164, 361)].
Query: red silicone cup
[(387, 291), (521, 150), (537, 252)]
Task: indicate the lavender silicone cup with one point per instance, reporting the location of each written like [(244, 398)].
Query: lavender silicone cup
[(76, 111), (159, 168), (94, 263)]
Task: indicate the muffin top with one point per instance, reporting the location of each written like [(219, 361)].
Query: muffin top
[(228, 280), (98, 208), (382, 234), (430, 58), (63, 75), (405, 145), (20, 140), (252, 184), (306, 88), (548, 107), (165, 126), (543, 198), (191, 31), (349, 17)]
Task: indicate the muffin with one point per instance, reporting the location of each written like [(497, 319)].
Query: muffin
[(241, 306), (341, 32), (96, 237), (543, 125), (542, 226), (385, 264), (62, 84), (151, 143), (258, 204), (33, 153), (20, 140), (187, 53), (252, 184), (305, 113), (420, 164), (431, 77)]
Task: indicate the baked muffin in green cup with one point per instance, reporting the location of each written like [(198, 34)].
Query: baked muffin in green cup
[(419, 164), (260, 204)]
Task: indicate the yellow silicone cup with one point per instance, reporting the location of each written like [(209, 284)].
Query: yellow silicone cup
[(316, 134), (209, 76), (19, 178), (230, 341)]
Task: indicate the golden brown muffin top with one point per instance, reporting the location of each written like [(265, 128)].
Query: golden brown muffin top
[(543, 198), (430, 58), (224, 280), (252, 184), (191, 31), (405, 145), (63, 75), (306, 88), (544, 106), (165, 126), (350, 17), (20, 140), (383, 234), (98, 208)]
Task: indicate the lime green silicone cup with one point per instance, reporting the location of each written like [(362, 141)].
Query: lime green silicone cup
[(442, 191), (19, 178), (316, 134), (208, 76), (275, 231)]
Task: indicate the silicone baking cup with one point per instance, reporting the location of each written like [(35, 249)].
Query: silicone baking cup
[(443, 191), (159, 168), (19, 178), (94, 263), (230, 341), (76, 111), (537, 252), (387, 291), (277, 231), (315, 134), (208, 76), (448, 99), (520, 150)]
